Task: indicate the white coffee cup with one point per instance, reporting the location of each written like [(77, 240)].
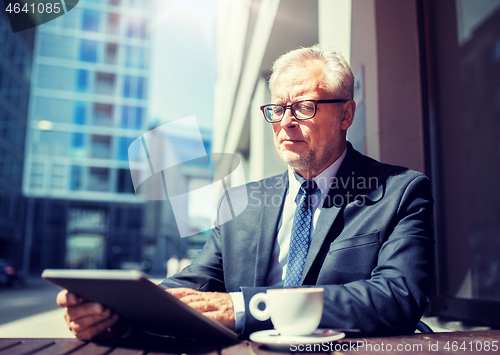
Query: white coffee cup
[(293, 311)]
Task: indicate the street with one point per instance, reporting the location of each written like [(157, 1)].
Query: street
[(21, 301), (30, 310)]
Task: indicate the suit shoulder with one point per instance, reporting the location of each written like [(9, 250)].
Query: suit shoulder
[(376, 168)]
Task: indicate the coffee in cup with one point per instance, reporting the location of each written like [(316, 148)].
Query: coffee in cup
[(293, 311)]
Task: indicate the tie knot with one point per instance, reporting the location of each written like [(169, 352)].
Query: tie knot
[(309, 186)]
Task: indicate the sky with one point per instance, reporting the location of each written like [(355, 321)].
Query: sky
[(471, 14), (183, 68)]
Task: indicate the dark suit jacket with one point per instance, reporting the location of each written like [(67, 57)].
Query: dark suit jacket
[(372, 248)]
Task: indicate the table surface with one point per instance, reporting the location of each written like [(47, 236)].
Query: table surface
[(476, 342)]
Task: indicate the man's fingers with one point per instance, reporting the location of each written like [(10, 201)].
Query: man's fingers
[(191, 298), (87, 320), (83, 323), (85, 310), (213, 305), (97, 329), (182, 292), (202, 306), (67, 299)]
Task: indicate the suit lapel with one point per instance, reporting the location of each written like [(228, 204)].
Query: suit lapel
[(270, 217)]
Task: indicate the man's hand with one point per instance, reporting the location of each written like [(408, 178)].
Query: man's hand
[(213, 305), (89, 321)]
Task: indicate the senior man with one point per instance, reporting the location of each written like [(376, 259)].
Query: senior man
[(356, 227)]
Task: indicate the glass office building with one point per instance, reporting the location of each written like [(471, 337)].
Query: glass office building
[(15, 67), (88, 102)]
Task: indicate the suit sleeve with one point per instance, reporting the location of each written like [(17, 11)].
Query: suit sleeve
[(394, 297), (205, 273)]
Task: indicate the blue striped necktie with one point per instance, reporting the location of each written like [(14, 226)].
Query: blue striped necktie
[(299, 241)]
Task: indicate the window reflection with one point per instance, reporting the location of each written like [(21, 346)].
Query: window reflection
[(469, 79)]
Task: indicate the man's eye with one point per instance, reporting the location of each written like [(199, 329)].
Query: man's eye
[(278, 111), (305, 108)]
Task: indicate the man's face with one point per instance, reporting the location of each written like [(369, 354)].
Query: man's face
[(309, 146)]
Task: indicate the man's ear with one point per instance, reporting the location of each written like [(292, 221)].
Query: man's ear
[(348, 111)]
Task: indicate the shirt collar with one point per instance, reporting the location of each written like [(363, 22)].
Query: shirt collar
[(323, 180)]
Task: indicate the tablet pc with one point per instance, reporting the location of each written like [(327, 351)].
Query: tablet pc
[(142, 303)]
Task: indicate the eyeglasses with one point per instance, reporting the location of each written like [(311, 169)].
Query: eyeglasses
[(301, 110)]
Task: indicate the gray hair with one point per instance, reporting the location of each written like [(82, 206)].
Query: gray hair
[(339, 79)]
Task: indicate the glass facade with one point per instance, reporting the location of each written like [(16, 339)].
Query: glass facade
[(90, 73), (88, 93), (15, 75)]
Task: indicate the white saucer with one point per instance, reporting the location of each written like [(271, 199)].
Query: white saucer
[(273, 338)]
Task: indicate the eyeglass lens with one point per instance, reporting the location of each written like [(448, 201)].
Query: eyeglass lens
[(301, 109)]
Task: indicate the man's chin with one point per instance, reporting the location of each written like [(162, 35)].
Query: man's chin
[(295, 160)]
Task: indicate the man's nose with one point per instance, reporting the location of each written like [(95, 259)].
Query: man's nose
[(288, 118)]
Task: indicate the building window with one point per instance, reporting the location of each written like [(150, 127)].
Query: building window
[(57, 46), (54, 143), (90, 20), (88, 51), (71, 18), (134, 87), (132, 26), (103, 115), (111, 53), (100, 147), (36, 176), (79, 113), (53, 110), (140, 88), (131, 117), (78, 145), (113, 24), (57, 177), (123, 144), (135, 57), (144, 29), (51, 77), (134, 219), (124, 183), (81, 80), (105, 83), (98, 179)]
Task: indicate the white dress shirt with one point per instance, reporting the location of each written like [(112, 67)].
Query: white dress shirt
[(279, 257)]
